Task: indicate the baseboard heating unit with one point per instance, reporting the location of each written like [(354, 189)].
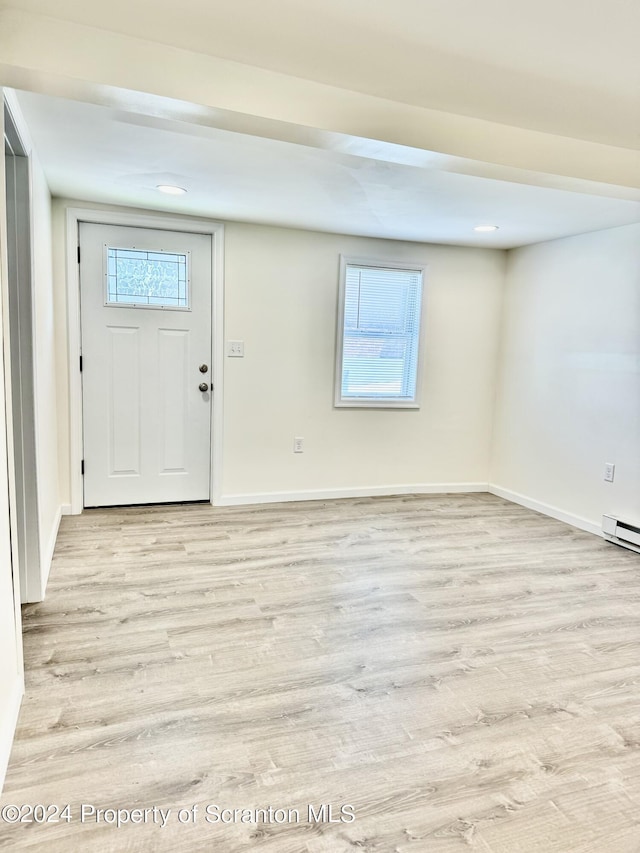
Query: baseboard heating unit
[(621, 532)]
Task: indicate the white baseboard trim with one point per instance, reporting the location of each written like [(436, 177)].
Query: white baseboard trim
[(546, 509), (65, 509), (350, 492), (47, 557), (8, 726)]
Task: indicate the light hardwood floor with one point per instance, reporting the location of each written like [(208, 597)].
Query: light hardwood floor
[(464, 672)]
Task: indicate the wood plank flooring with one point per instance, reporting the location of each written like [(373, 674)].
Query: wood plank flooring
[(461, 671)]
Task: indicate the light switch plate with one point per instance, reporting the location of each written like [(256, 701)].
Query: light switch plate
[(609, 472), (235, 349)]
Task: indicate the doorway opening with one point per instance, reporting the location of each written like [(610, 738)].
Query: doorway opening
[(146, 323), (171, 345)]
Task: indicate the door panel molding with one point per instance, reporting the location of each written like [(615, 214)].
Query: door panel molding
[(124, 402), (173, 358), (99, 216)]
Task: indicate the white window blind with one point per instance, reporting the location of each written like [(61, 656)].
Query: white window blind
[(380, 335)]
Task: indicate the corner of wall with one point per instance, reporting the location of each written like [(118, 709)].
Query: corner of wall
[(498, 367), (567, 400)]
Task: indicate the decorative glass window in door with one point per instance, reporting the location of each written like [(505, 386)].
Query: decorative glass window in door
[(146, 279)]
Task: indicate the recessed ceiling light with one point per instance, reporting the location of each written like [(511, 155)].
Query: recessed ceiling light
[(484, 228), (166, 188)]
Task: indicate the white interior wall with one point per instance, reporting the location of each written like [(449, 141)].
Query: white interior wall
[(11, 677), (46, 404), (44, 357), (281, 290), (569, 388)]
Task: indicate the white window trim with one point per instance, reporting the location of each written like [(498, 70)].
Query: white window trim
[(376, 402)]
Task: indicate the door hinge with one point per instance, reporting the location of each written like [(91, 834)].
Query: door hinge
[(80, 364), (78, 254), (82, 467)]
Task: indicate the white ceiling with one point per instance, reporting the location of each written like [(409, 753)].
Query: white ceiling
[(567, 67), (95, 153)]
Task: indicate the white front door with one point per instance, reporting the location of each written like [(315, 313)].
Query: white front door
[(146, 341)]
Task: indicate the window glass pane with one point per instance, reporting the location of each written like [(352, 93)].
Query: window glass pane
[(137, 277), (380, 333)]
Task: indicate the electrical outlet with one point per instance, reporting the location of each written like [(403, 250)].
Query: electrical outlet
[(235, 349), (609, 471), (298, 445)]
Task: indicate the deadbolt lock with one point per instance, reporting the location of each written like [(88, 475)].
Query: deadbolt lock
[(203, 368)]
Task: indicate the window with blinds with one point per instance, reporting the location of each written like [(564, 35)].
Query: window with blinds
[(378, 334)]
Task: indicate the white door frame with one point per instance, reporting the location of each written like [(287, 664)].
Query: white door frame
[(147, 220), (24, 401)]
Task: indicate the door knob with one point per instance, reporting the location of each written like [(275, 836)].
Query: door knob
[(203, 386), (203, 368)]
